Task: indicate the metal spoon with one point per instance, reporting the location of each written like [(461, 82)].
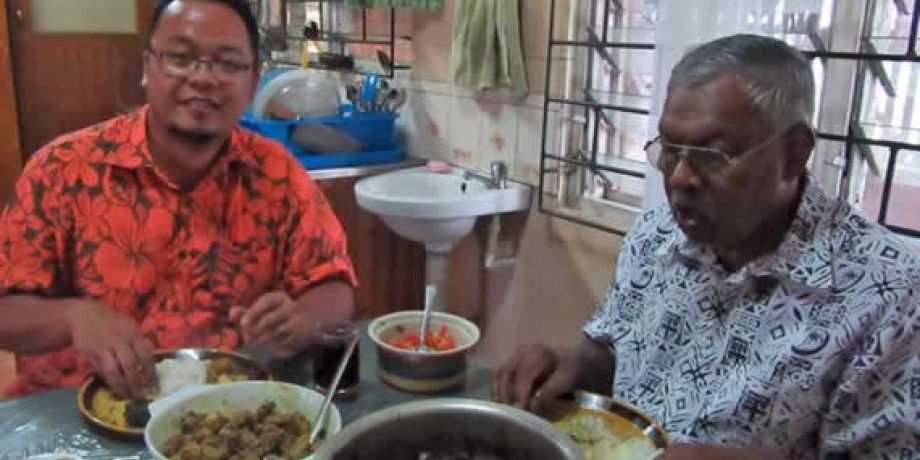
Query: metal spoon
[(395, 99), (430, 291), (352, 94), (320, 422)]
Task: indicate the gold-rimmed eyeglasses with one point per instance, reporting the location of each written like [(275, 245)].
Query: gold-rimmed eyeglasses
[(706, 161)]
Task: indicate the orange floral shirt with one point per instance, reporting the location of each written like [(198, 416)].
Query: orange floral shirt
[(93, 217)]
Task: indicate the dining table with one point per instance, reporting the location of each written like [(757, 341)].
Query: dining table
[(51, 422)]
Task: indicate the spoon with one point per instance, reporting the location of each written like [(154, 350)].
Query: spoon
[(430, 291), (395, 99), (352, 94), (320, 422)]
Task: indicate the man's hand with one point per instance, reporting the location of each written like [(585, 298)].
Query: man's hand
[(277, 321), (112, 344), (713, 452), (535, 374)]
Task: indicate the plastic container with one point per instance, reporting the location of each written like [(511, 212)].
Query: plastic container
[(375, 131)]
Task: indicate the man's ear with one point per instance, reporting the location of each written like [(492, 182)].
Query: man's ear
[(799, 143)]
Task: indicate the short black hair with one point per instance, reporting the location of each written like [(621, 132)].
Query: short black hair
[(242, 8)]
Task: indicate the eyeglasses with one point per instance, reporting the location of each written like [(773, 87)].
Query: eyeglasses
[(708, 162), (182, 64)]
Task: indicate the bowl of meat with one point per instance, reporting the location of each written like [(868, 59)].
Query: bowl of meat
[(439, 366), (245, 420)]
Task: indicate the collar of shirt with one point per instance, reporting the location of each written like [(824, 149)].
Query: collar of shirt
[(133, 152), (801, 258)]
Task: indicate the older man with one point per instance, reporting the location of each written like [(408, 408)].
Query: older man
[(755, 317), (168, 227)]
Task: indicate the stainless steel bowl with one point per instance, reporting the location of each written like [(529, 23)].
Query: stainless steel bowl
[(650, 428), (477, 429), (614, 408)]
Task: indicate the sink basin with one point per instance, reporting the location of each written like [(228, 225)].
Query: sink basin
[(436, 209)]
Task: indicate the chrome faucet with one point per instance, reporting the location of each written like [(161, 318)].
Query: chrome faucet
[(498, 172)]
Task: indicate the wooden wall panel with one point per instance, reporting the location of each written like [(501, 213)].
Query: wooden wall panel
[(67, 81), (10, 154)]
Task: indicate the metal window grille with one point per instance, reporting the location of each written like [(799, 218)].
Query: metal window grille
[(868, 141)]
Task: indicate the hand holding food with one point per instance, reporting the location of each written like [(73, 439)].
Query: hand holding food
[(120, 355), (535, 374), (275, 320), (173, 374)]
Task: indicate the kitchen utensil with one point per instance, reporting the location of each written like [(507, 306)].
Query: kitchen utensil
[(320, 423), (450, 428), (430, 293), (626, 421), (369, 91), (305, 92), (395, 99)]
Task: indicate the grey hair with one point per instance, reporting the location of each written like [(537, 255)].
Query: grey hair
[(781, 84)]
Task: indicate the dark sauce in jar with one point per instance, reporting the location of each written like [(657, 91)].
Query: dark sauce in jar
[(333, 343)]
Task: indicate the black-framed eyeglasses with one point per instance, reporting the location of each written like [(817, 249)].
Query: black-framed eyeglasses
[(183, 64), (706, 161)]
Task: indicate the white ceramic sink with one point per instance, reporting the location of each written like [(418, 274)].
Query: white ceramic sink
[(437, 209)]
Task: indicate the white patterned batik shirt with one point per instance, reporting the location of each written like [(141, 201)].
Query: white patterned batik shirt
[(813, 348)]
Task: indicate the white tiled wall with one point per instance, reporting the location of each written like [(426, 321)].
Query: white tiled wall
[(456, 125), (469, 129)]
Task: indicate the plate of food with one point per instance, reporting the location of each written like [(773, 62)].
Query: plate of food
[(126, 418), (605, 428)]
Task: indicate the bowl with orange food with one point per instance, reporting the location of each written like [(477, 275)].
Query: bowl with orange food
[(441, 365)]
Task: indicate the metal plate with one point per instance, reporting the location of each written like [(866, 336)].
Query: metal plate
[(93, 384), (614, 407)]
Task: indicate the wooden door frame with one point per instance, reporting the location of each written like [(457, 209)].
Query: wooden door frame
[(10, 147)]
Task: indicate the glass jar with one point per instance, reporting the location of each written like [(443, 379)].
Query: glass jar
[(332, 344)]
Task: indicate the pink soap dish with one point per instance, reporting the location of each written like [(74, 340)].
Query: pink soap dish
[(438, 166)]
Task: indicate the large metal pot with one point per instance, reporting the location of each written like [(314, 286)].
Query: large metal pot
[(436, 428)]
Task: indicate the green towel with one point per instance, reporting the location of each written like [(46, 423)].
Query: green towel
[(395, 3), (486, 50)]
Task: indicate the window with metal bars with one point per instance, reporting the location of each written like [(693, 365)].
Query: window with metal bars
[(596, 120), (867, 73), (367, 35)]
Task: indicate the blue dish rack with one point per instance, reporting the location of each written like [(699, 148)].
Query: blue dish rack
[(376, 131)]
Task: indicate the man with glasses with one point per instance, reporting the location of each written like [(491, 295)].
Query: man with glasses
[(168, 227), (754, 316)]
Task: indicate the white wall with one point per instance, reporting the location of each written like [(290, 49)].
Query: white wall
[(562, 269)]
